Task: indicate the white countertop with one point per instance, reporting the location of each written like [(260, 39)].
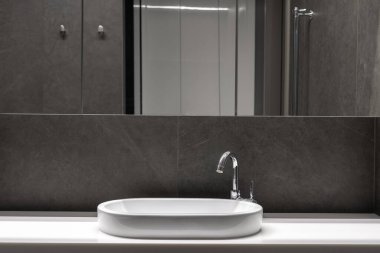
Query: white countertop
[(275, 231)]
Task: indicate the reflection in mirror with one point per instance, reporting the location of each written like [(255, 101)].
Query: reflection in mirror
[(189, 61), (150, 57), (331, 58), (207, 57), (53, 59), (190, 57)]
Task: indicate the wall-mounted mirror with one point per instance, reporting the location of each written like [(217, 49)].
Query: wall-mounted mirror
[(190, 57)]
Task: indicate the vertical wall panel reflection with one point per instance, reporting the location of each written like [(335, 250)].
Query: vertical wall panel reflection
[(273, 51), (137, 56), (368, 62), (227, 32), (188, 57), (327, 58), (160, 57), (246, 58), (200, 59), (103, 57)]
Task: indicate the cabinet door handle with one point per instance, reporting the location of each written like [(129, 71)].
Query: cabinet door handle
[(62, 31), (101, 31)]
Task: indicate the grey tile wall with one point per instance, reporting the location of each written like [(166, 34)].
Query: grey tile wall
[(368, 90), (63, 162), (328, 58), (75, 162), (328, 52), (40, 71), (43, 72), (316, 163), (298, 164), (103, 57)]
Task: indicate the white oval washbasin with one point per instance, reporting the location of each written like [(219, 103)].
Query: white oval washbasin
[(180, 218)]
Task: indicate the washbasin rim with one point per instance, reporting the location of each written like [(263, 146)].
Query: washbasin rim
[(102, 208)]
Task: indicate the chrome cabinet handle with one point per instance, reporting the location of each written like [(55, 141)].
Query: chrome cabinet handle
[(101, 31), (62, 31)]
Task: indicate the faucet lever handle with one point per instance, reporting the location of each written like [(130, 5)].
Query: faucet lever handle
[(251, 189)]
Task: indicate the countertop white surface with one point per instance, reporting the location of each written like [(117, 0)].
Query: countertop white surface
[(275, 231)]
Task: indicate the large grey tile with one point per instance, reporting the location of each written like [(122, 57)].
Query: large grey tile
[(202, 140), (298, 164), (309, 164), (103, 66), (328, 48), (40, 71), (368, 89), (75, 162)]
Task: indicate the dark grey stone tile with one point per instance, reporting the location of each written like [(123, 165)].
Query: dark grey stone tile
[(309, 164), (76, 162), (328, 48), (40, 71), (103, 67), (368, 90), (298, 164), (62, 162), (202, 140)]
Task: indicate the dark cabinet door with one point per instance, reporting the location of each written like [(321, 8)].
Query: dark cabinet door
[(40, 70), (103, 57)]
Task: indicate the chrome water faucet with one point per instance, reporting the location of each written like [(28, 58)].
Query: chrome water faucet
[(235, 193)]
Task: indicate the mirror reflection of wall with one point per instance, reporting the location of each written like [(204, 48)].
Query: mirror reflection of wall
[(338, 74)]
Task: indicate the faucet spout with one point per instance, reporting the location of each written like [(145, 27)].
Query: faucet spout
[(235, 193)]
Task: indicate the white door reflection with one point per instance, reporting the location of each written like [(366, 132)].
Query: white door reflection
[(188, 58)]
